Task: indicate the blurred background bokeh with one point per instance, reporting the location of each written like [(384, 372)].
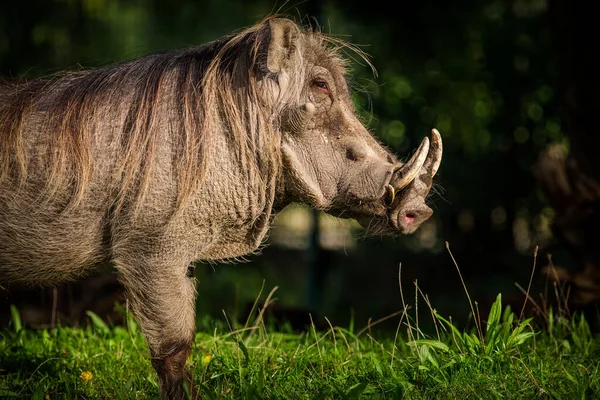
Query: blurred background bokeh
[(483, 72)]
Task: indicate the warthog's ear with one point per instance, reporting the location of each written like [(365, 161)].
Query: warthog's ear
[(282, 43)]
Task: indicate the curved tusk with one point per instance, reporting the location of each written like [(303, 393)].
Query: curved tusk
[(391, 193), (436, 151), (409, 171)]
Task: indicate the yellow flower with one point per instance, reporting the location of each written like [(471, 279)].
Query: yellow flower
[(86, 375), (206, 360)]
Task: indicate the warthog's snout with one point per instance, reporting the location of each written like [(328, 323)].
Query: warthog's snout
[(410, 184)]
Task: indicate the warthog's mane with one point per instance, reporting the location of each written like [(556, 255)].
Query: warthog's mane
[(217, 87)]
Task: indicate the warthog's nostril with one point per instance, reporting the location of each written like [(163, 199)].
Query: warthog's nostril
[(410, 217)]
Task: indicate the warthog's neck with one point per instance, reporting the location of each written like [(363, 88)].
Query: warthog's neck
[(232, 213)]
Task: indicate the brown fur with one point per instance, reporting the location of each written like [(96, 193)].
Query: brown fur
[(181, 156)]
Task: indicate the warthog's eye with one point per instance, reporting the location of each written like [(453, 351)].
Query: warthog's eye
[(321, 86)]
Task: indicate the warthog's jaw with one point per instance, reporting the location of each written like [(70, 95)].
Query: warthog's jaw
[(402, 208)]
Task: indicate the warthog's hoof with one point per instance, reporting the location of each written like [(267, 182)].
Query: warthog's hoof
[(175, 380)]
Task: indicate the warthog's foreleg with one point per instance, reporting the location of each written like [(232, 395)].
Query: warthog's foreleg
[(162, 294)]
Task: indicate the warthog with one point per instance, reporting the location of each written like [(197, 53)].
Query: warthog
[(186, 155)]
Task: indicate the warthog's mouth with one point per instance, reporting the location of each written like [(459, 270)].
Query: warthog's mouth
[(402, 208)]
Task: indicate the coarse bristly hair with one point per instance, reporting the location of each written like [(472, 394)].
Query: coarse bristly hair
[(215, 87)]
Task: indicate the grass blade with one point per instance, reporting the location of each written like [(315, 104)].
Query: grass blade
[(98, 323), (16, 318)]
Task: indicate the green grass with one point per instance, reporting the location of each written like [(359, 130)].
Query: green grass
[(500, 358)]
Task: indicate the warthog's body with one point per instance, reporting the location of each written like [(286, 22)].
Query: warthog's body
[(184, 156)]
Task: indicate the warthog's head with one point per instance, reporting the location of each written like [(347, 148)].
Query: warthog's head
[(330, 159)]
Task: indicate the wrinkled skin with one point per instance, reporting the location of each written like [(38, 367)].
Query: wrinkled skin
[(309, 147)]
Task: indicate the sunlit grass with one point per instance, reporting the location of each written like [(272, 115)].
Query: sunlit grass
[(510, 360), (503, 356)]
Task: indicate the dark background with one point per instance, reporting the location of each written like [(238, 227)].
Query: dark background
[(483, 72)]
